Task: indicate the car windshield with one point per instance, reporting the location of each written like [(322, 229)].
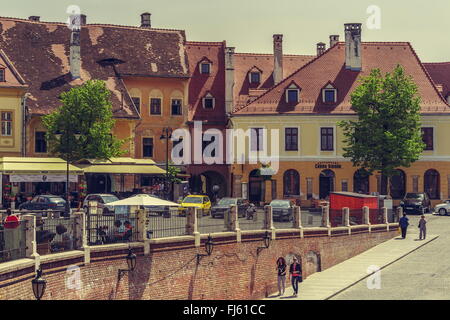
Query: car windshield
[(56, 199), (414, 196), (108, 199), (193, 200), (226, 202), (280, 204)]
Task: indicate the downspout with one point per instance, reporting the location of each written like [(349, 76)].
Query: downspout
[(24, 124)]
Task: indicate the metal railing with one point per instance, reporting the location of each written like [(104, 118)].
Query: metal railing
[(117, 228), (167, 222), (13, 241), (356, 216), (209, 224), (256, 223), (55, 235)]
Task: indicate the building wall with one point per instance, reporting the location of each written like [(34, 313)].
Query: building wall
[(11, 101), (233, 271)]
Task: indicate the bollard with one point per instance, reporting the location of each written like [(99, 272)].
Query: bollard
[(234, 222), (366, 216), (141, 225), (297, 219), (31, 244), (268, 220), (79, 222), (385, 218), (346, 219), (325, 217)]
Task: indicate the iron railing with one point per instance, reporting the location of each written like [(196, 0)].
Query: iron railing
[(209, 224), (256, 223), (117, 228), (56, 235), (165, 222), (13, 241)]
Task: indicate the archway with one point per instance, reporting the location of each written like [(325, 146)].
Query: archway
[(398, 185), (313, 263), (361, 181), (204, 182), (291, 183), (255, 186), (431, 183), (326, 183)]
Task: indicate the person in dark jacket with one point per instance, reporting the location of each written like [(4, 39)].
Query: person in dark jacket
[(295, 274), (422, 228), (281, 268), (403, 223)]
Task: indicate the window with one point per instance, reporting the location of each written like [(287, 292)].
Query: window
[(147, 146), (208, 101), (255, 77), (292, 95), (205, 68), (427, 137), (155, 106), (137, 103), (291, 139), (2, 75), (40, 144), (6, 123), (398, 185), (256, 139), (329, 95), (326, 139), (176, 107), (291, 183), (432, 184)]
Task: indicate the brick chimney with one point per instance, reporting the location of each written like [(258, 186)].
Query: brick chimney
[(353, 46), (145, 20), (34, 18), (321, 47), (277, 58), (229, 79), (83, 19), (334, 38)]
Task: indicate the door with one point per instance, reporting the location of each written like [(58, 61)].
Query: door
[(326, 183)]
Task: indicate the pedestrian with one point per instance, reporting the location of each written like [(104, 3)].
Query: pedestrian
[(403, 223), (281, 268), (295, 275), (422, 228)]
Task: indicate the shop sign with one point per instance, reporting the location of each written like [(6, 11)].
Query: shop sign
[(42, 178), (328, 165)]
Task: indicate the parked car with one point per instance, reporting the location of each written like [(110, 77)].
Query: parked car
[(197, 201), (282, 210), (416, 202), (44, 202), (224, 204), (442, 208), (102, 202)]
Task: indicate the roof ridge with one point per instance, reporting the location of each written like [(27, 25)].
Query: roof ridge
[(285, 79), (205, 43), (271, 54)]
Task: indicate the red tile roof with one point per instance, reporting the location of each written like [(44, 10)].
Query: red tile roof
[(13, 79), (40, 52), (201, 84), (440, 73), (331, 67)]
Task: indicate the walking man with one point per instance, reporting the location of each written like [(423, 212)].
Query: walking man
[(295, 275), (422, 228), (403, 223)]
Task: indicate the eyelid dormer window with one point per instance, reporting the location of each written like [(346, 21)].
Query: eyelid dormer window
[(209, 101)]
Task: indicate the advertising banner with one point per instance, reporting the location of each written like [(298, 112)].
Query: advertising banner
[(42, 178)]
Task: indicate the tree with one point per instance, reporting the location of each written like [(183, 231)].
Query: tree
[(81, 128), (172, 173), (387, 134)]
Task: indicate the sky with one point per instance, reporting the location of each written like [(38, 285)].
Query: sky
[(249, 25)]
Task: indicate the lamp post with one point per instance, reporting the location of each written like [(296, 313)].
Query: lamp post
[(38, 284), (167, 134), (58, 136), (209, 246), (266, 239), (131, 262), (215, 190)]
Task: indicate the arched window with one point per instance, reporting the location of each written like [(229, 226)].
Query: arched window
[(431, 183), (361, 181), (291, 183), (398, 185)]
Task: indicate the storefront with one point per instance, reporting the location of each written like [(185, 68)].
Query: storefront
[(22, 178)]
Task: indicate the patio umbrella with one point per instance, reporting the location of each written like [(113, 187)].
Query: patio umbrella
[(143, 200)]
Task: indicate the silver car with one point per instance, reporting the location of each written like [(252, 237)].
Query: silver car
[(102, 202)]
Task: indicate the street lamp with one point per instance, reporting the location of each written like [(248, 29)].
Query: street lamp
[(266, 239), (131, 263), (209, 246), (167, 134), (58, 136), (215, 190), (38, 284)]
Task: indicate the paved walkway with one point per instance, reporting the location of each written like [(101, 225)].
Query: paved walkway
[(326, 284)]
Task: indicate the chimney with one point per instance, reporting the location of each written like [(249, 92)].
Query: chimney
[(229, 79), (145, 20), (353, 46), (334, 38), (75, 58), (34, 18), (277, 58), (83, 19), (321, 47)]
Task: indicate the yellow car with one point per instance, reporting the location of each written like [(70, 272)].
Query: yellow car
[(197, 201)]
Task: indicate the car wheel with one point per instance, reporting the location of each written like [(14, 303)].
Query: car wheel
[(442, 212)]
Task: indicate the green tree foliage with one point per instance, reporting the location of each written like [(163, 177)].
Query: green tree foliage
[(84, 124), (173, 171), (387, 134)]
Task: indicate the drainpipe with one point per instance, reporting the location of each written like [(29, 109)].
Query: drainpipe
[(24, 124)]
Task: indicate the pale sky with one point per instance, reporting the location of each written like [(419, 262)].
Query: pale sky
[(248, 25)]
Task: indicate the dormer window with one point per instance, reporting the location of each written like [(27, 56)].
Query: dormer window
[(329, 94), (208, 101), (2, 75), (292, 93), (255, 77), (205, 68)]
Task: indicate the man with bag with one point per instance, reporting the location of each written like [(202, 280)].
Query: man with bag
[(403, 223), (295, 274)]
